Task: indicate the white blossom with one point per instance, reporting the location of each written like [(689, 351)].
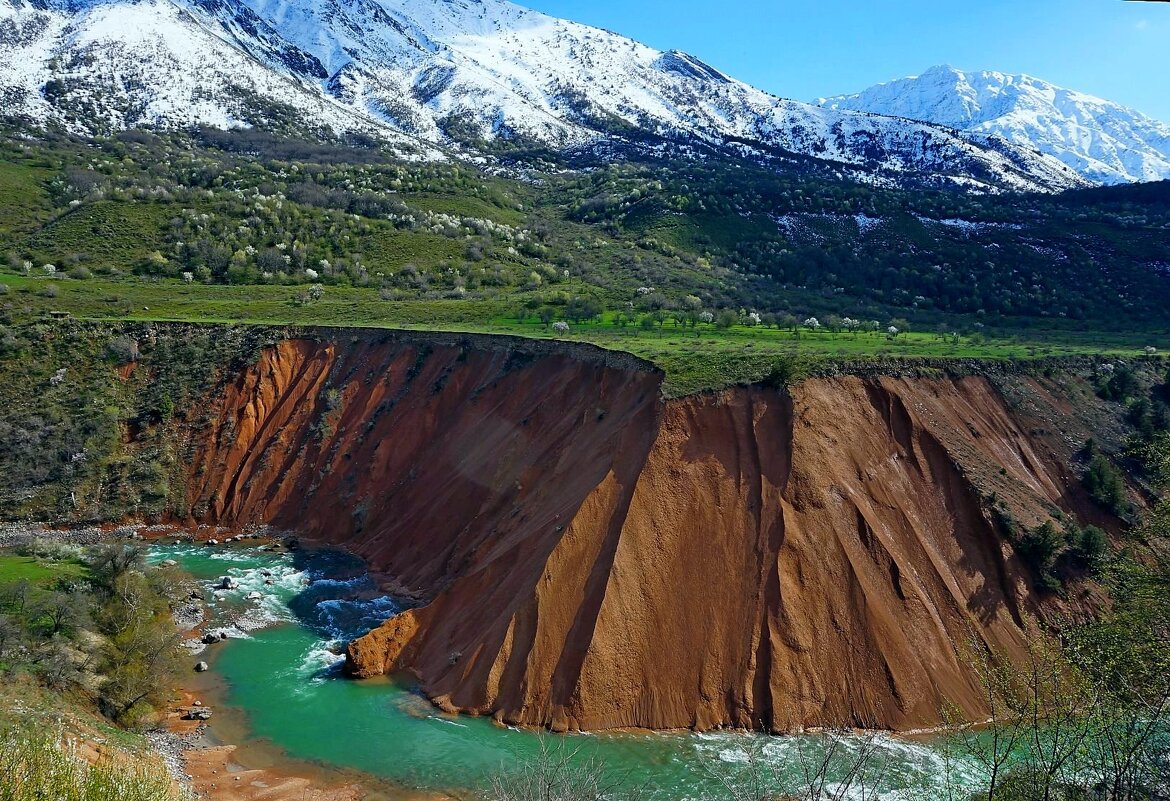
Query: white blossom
[(311, 274), (560, 327)]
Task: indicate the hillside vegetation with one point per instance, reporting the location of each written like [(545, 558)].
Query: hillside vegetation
[(719, 273)]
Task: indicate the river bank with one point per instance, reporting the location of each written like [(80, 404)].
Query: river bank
[(215, 770), (214, 758), (286, 724)]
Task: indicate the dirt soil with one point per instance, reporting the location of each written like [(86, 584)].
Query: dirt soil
[(591, 556)]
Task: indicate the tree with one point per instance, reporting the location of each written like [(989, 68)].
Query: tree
[(59, 613)]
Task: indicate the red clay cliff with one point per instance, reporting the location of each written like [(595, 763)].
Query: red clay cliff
[(587, 555)]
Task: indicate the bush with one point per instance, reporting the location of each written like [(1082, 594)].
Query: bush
[(1090, 545), (1119, 385), (1105, 485), (1039, 549), (50, 550), (123, 349)]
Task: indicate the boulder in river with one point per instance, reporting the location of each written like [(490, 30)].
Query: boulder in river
[(201, 667), (228, 583), (169, 563), (255, 596)]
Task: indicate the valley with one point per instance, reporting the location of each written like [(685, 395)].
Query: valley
[(530, 510), (408, 400)]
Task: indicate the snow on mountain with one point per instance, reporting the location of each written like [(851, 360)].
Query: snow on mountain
[(1103, 141), (423, 74)]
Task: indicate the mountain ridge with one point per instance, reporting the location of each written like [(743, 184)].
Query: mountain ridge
[(430, 78), (1104, 141)]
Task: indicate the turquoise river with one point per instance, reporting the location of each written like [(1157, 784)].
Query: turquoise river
[(281, 675)]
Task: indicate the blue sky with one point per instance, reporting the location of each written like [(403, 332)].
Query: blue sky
[(1110, 48)]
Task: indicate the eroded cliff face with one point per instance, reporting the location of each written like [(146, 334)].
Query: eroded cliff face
[(588, 556)]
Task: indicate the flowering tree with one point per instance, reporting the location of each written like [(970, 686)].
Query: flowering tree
[(560, 327)]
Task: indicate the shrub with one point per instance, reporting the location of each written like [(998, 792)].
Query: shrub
[(123, 349), (1105, 485), (1039, 549), (1118, 385), (1090, 545)]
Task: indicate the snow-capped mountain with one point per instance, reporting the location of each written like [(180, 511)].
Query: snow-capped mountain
[(1103, 141), (422, 72)]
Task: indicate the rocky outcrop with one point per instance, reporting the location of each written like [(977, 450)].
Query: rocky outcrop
[(587, 555)]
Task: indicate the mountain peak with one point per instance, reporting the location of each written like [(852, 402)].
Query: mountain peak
[(449, 74), (1102, 140)]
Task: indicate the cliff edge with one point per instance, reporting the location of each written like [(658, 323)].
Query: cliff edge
[(587, 555)]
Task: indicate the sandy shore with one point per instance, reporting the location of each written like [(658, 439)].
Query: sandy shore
[(213, 771)]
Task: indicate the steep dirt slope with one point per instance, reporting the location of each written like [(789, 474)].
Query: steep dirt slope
[(588, 556)]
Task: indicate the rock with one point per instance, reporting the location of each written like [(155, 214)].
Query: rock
[(212, 637), (169, 563), (270, 582), (255, 596), (200, 713), (195, 595), (266, 573), (201, 667), (213, 542), (228, 583)]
